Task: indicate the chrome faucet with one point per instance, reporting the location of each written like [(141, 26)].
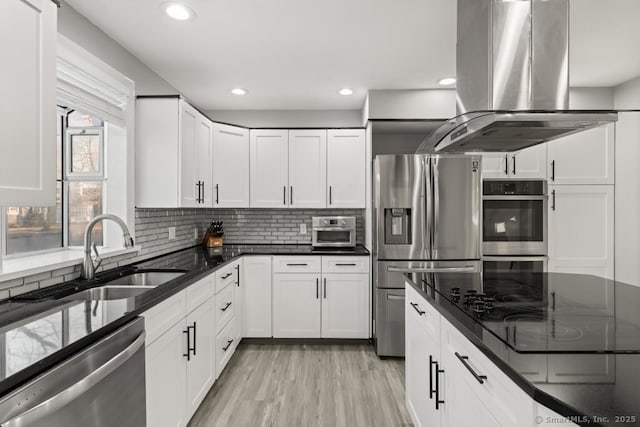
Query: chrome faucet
[(88, 267)]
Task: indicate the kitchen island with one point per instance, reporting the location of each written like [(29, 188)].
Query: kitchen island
[(522, 349)]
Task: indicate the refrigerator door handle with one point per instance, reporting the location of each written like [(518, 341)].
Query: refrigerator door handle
[(469, 268)]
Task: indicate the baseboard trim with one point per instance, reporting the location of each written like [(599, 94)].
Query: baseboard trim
[(308, 341)]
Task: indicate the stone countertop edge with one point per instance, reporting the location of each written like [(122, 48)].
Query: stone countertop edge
[(529, 388), (154, 297)]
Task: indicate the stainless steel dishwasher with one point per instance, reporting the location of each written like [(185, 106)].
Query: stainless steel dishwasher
[(103, 385)]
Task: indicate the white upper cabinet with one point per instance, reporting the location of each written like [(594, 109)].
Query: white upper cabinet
[(307, 168), (529, 163), (269, 160), (173, 155), (346, 168), (583, 158), (581, 227), (28, 33), (230, 166)]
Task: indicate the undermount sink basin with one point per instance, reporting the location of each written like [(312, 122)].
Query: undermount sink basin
[(146, 278), (107, 293)]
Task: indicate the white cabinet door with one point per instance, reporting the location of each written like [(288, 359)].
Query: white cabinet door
[(269, 160), (202, 160), (230, 166), (256, 296), (346, 168), (583, 158), (187, 153), (308, 168), (296, 306), (581, 227), (495, 165), (166, 381), (201, 372), (422, 352), (530, 163), (28, 31), (345, 305)]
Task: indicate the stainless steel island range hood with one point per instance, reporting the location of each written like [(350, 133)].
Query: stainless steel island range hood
[(512, 79)]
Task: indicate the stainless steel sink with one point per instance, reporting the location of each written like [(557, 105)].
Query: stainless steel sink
[(107, 293), (146, 278)]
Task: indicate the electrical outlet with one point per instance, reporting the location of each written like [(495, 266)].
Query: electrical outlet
[(172, 233), (195, 233), (303, 228)]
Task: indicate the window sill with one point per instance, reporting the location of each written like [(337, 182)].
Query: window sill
[(25, 266)]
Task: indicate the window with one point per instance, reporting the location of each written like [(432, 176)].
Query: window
[(80, 196)]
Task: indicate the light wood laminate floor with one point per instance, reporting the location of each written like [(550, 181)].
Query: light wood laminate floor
[(306, 385)]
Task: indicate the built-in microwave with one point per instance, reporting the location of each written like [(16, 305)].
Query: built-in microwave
[(514, 217), (333, 231)]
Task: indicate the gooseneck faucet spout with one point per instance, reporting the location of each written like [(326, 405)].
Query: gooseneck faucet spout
[(88, 267)]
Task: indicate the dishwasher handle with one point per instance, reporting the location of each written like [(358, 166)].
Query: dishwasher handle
[(77, 389), (466, 268)]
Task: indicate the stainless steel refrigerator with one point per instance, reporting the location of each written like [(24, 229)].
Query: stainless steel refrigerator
[(426, 220)]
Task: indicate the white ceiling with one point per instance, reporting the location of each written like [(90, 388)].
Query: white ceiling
[(296, 54)]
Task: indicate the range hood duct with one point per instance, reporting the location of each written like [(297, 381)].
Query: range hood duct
[(512, 79)]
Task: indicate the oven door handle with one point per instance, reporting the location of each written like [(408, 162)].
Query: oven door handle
[(469, 268), (333, 229), (77, 389), (514, 197)]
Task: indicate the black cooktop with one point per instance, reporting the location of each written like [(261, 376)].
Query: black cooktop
[(547, 312)]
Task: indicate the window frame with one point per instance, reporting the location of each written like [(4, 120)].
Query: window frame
[(67, 153)]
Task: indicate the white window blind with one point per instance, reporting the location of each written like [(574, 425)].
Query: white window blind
[(84, 86)]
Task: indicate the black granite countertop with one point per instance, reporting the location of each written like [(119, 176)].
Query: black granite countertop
[(37, 334), (590, 372)]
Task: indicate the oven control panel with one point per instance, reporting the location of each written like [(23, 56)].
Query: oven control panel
[(513, 188)]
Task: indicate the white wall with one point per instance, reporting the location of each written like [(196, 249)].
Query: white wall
[(82, 32), (590, 98), (288, 118), (627, 202), (411, 104)]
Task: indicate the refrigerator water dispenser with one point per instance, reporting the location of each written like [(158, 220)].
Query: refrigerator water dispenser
[(397, 226)]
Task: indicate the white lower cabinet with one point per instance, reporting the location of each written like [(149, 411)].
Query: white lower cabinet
[(256, 297), (228, 313), (180, 355), (315, 304)]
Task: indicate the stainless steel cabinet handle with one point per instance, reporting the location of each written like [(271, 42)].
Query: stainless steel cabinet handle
[(330, 201), (346, 265), (553, 170), (317, 289), (291, 196), (217, 194), (416, 308), (464, 359), (284, 194), (506, 164), (198, 187), (297, 265), (325, 288), (229, 342), (393, 269), (227, 305), (395, 297), (514, 164), (553, 200), (71, 393)]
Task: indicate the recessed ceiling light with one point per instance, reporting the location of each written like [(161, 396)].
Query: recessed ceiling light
[(239, 91), (178, 11), (345, 91), (447, 81)]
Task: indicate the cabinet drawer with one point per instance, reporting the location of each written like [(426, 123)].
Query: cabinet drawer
[(504, 398), (298, 264), (160, 318), (224, 307), (199, 292), (416, 306), (225, 346), (225, 276), (343, 264)]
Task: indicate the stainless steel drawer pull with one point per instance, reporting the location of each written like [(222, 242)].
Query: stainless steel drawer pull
[(415, 307), (225, 348), (226, 307), (226, 275), (346, 265), (464, 359), (393, 269), (297, 265)]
